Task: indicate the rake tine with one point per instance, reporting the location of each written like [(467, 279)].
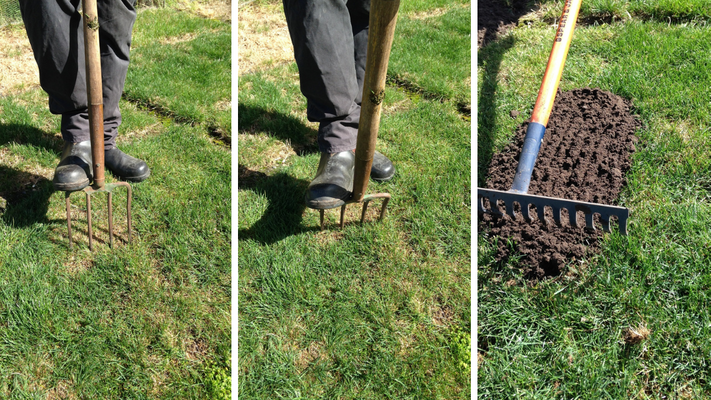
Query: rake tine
[(589, 221), (622, 222), (573, 217), (497, 210), (526, 211), (605, 222), (541, 211), (480, 205), (510, 209)]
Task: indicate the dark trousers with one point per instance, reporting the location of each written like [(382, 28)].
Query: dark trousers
[(55, 30), (330, 39)]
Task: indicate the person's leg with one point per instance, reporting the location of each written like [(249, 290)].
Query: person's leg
[(382, 168), (322, 37), (116, 19), (55, 32)]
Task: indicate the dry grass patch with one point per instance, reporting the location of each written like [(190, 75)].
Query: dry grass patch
[(18, 68), (213, 9), (154, 129), (313, 353), (76, 265), (31, 172), (632, 336), (263, 38), (437, 12), (63, 391), (269, 152), (196, 349), (179, 39), (441, 315)]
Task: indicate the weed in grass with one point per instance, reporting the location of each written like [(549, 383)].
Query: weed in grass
[(218, 381), (460, 344)]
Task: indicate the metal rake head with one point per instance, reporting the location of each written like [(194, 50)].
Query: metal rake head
[(90, 191), (525, 201), (367, 199)]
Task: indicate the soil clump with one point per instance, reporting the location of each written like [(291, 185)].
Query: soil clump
[(584, 156)]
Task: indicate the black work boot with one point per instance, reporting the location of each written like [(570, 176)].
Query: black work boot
[(74, 169), (333, 183), (382, 169), (124, 166)]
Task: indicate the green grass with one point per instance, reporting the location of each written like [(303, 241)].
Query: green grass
[(380, 310), (660, 10), (564, 337), (432, 56), (146, 320), (182, 68)]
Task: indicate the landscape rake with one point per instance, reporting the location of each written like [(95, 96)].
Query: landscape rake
[(532, 144), (383, 17), (96, 128)]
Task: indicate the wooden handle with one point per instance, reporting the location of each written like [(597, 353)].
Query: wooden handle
[(92, 56), (556, 61), (383, 16)]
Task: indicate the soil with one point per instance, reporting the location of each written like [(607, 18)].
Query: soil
[(495, 17), (584, 156)]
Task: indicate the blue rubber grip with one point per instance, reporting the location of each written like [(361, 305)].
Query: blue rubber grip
[(531, 146)]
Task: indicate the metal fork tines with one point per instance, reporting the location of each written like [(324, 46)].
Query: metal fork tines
[(90, 191)]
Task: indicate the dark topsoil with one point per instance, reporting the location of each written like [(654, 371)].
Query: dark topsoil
[(495, 17), (584, 156)]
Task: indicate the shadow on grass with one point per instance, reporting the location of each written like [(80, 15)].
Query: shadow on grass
[(282, 218), (24, 196), (286, 128), (490, 61)]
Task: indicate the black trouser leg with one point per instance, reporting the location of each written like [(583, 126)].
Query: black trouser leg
[(54, 28), (329, 39)]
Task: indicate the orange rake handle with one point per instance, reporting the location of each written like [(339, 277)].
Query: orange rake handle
[(546, 95), (556, 62)]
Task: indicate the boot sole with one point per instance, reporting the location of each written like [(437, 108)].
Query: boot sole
[(139, 178), (325, 205), (71, 187)]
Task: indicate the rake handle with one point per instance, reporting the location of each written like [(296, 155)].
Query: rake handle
[(546, 96), (383, 17), (95, 100)]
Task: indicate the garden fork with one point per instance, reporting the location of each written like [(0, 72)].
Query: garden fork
[(96, 127), (383, 17)]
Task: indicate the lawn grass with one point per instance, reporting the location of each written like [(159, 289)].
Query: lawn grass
[(569, 337), (372, 311), (679, 11), (146, 320), (186, 73)]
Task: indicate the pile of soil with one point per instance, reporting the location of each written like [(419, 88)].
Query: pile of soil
[(584, 156), (494, 17)]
